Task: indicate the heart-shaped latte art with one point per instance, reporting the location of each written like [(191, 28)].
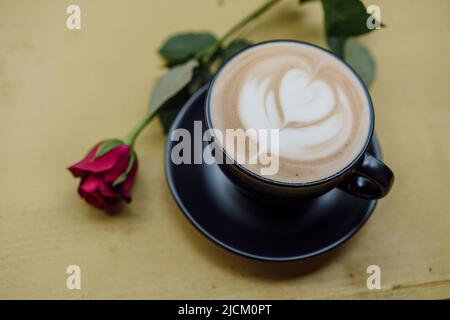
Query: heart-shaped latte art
[(313, 120), (304, 101)]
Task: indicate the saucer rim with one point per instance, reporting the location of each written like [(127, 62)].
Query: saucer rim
[(170, 181)]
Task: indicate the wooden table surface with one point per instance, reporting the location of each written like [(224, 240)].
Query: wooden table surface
[(62, 91)]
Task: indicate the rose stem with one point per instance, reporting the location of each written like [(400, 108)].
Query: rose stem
[(213, 49), (132, 136)]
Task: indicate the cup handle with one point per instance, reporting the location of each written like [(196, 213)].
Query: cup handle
[(371, 179)]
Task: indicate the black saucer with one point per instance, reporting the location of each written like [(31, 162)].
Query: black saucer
[(237, 223)]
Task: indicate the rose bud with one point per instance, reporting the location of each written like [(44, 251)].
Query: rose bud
[(107, 173)]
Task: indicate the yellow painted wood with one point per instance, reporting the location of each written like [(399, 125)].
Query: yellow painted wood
[(62, 91)]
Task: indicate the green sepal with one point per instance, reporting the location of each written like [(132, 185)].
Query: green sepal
[(106, 146), (124, 175)]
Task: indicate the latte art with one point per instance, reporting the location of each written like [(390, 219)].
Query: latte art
[(314, 120), (313, 99)]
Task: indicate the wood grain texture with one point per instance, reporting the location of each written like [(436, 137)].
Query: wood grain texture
[(62, 91)]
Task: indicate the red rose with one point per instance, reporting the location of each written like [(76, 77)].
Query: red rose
[(107, 173)]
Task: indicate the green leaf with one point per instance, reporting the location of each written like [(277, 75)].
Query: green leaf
[(304, 1), (106, 146), (359, 57), (184, 46), (201, 76), (124, 175), (170, 109), (233, 48), (167, 117), (170, 84), (345, 18), (336, 45)]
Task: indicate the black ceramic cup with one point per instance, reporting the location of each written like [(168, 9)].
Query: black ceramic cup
[(365, 176)]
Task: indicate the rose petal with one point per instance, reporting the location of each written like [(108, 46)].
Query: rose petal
[(96, 192), (119, 168), (103, 163), (94, 183), (76, 168), (93, 198), (96, 201), (126, 186)]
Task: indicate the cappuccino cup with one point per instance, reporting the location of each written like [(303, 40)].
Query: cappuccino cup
[(301, 122)]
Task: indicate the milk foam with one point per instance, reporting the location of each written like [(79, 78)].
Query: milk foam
[(317, 104)]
